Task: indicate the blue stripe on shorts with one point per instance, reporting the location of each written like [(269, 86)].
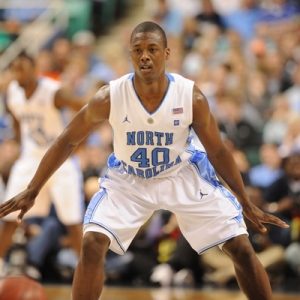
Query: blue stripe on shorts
[(206, 171), (95, 201)]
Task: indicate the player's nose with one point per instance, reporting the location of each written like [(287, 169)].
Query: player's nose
[(145, 55)]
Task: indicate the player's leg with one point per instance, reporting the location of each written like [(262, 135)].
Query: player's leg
[(19, 177), (6, 232), (114, 216), (89, 275), (209, 215), (251, 275), (66, 188)]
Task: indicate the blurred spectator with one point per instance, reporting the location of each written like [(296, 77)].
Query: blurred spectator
[(289, 48), (243, 165), (188, 8), (273, 65), (201, 55), (84, 43), (76, 76), (43, 244), (225, 8), (24, 11), (249, 12), (269, 169), (291, 141), (44, 62), (16, 14), (178, 264), (208, 16), (278, 17), (105, 13), (282, 199), (190, 32), (61, 49), (293, 258), (35, 105), (292, 94), (257, 95), (169, 18), (275, 128), (237, 128)]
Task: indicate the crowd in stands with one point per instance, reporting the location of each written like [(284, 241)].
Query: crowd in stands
[(245, 57)]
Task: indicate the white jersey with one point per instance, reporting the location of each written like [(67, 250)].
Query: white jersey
[(159, 146), (40, 121), (152, 145)]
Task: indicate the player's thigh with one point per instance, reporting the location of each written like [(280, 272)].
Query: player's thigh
[(21, 174), (66, 189)]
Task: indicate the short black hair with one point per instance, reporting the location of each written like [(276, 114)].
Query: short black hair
[(25, 55), (149, 26)]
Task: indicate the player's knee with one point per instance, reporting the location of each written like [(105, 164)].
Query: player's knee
[(239, 248), (95, 245)]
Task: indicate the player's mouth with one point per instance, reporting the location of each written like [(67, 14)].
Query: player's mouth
[(145, 69)]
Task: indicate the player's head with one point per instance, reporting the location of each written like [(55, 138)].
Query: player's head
[(148, 50), (23, 68)]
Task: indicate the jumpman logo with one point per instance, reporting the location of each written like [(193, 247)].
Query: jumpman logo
[(201, 194), (126, 120)]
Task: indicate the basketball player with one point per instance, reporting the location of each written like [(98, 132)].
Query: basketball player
[(155, 166), (35, 106)]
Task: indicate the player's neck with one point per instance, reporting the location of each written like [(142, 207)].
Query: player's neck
[(30, 88), (152, 89), (151, 94)]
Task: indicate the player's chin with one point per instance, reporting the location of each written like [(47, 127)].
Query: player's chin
[(147, 76)]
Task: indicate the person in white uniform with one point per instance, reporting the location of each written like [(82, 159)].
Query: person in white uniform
[(155, 166), (35, 105)]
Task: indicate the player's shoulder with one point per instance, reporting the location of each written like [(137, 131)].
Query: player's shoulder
[(122, 80), (178, 79), (13, 85)]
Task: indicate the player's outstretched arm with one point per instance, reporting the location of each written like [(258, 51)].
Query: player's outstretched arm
[(207, 130), (92, 114), (64, 97)]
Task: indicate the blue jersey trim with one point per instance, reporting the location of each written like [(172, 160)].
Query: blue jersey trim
[(130, 76), (94, 203), (171, 77), (206, 171), (112, 162), (161, 101)]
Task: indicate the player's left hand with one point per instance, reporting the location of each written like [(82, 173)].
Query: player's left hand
[(23, 201), (258, 217)]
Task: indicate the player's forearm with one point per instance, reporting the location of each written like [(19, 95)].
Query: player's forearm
[(225, 166)]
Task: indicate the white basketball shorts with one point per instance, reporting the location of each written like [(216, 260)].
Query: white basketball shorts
[(207, 213), (64, 189)]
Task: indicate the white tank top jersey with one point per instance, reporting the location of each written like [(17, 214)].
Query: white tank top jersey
[(40, 121), (157, 144)]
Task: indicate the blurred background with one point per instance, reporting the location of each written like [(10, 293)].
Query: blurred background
[(245, 57)]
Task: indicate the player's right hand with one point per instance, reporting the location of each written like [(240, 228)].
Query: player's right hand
[(23, 201)]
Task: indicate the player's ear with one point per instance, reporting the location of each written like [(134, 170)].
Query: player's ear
[(167, 53)]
